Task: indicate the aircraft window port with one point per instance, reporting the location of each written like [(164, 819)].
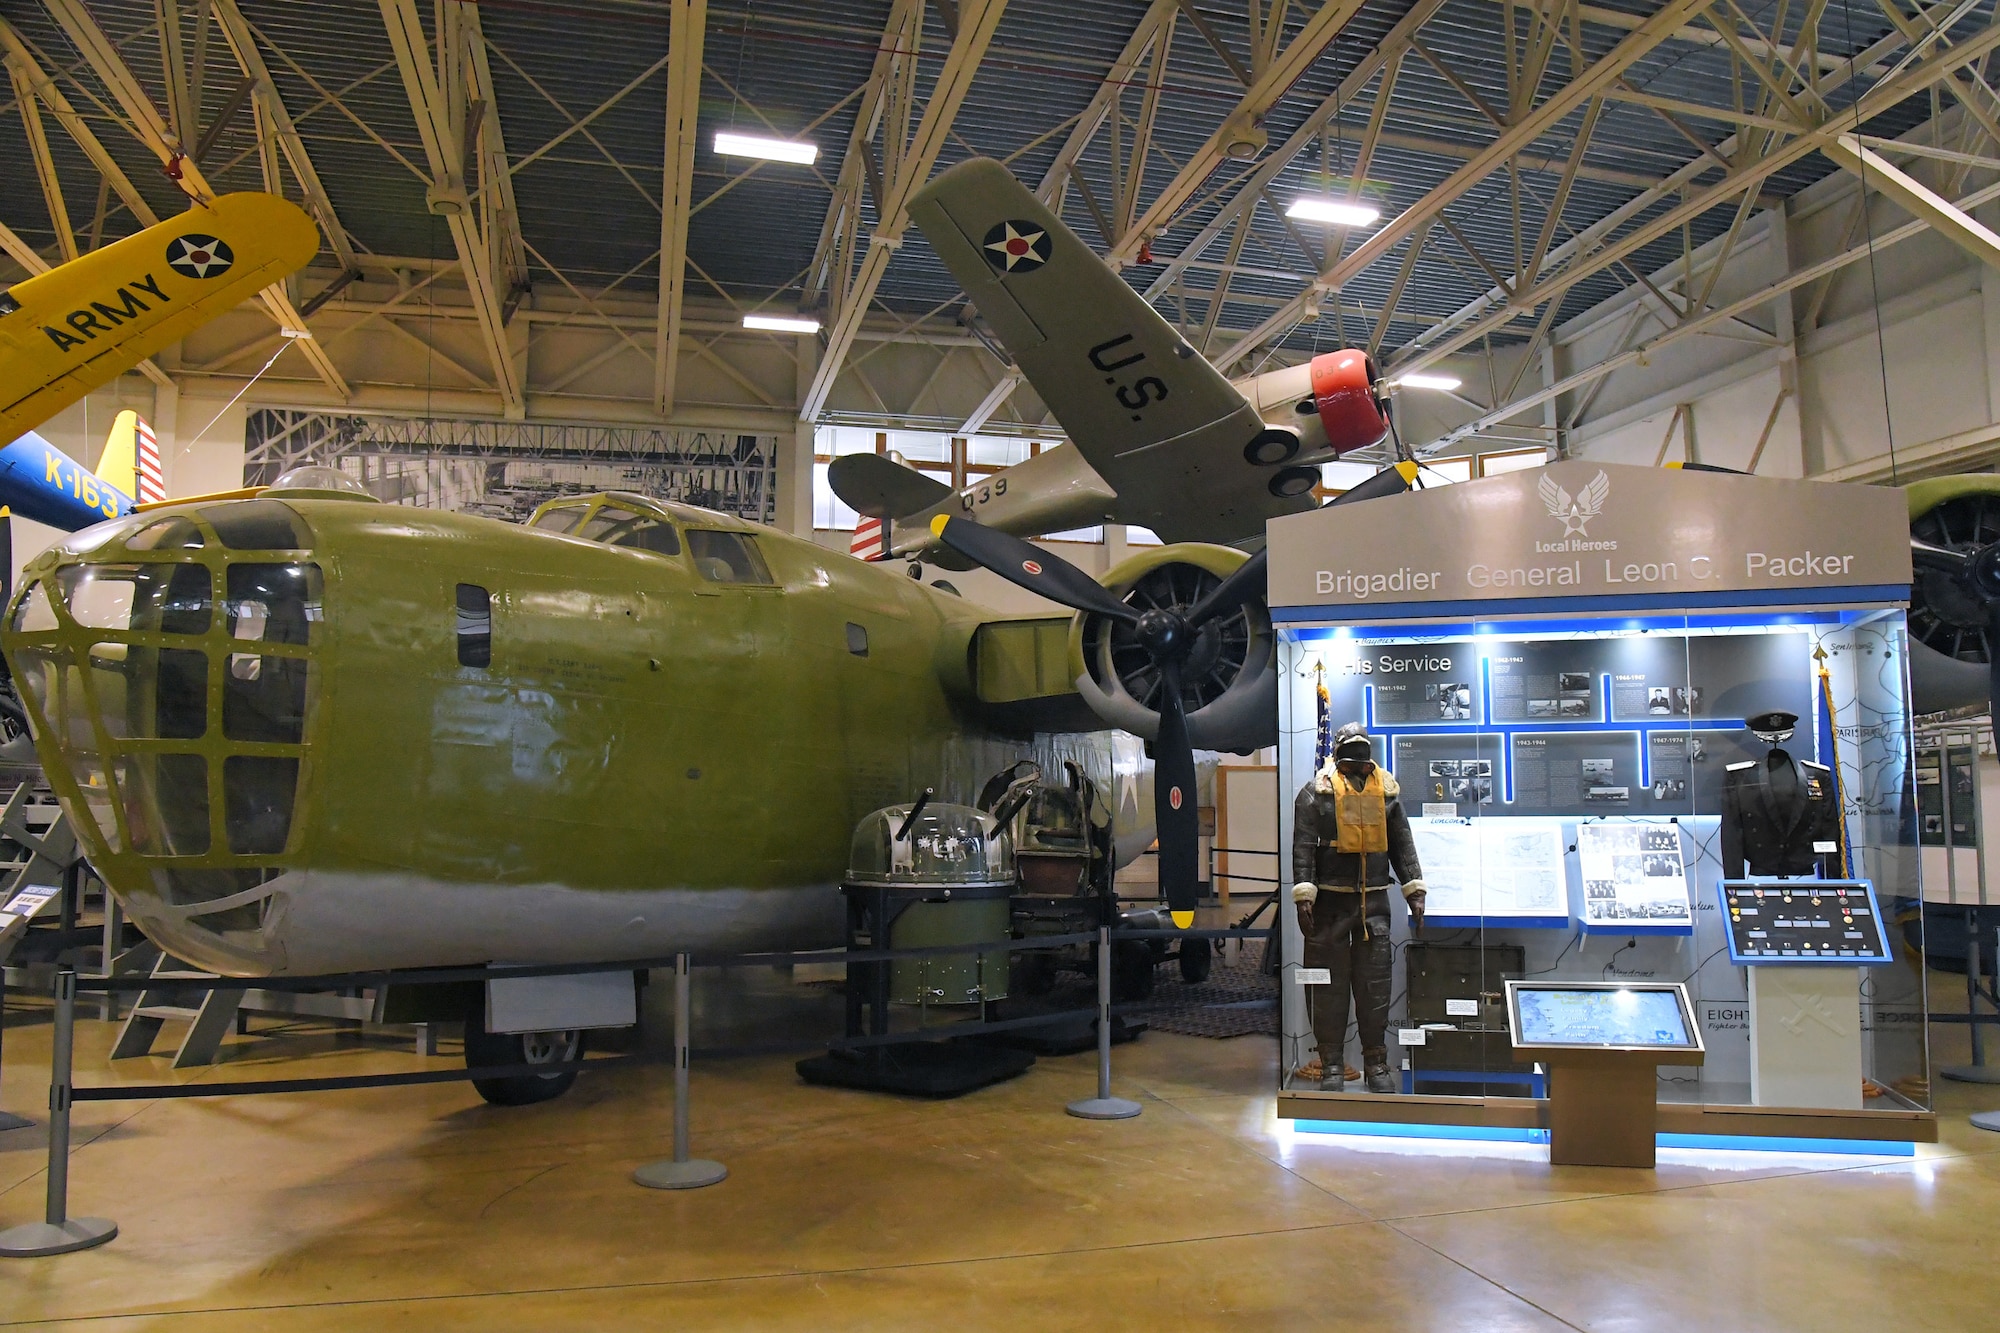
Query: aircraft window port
[(264, 699), (475, 626), (34, 612), (256, 525), (727, 557), (563, 519), (166, 803), (857, 639), (169, 534), (257, 792), (641, 532), (162, 598), (150, 693), (273, 603)]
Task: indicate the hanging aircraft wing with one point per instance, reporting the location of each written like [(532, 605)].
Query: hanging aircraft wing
[(84, 323), (1160, 424)]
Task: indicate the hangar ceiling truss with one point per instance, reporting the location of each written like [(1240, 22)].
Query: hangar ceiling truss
[(522, 205)]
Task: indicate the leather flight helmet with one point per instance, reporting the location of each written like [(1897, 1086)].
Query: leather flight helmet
[(1351, 743)]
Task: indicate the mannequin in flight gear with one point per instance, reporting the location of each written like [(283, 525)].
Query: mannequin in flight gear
[(1349, 833)]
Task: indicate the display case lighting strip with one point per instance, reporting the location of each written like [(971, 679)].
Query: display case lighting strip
[(1695, 1142)]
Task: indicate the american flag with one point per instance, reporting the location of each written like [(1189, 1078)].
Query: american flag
[(868, 541), (152, 485), (1323, 745)]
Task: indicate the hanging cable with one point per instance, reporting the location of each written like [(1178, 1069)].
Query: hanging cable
[(282, 345)]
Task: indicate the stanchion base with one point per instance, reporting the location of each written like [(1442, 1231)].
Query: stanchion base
[(1987, 1120), (35, 1239), (689, 1175), (8, 1120), (1103, 1108), (1972, 1073)]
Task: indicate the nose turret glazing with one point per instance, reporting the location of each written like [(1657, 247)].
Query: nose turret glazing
[(166, 665)]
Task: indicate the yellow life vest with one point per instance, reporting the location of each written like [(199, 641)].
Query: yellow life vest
[(1361, 817)]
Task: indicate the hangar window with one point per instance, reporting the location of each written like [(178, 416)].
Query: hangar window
[(727, 557), (624, 527), (475, 626)]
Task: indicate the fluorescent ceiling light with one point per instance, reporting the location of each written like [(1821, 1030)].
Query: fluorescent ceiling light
[(771, 150), (791, 324), (1446, 382), (1333, 210)]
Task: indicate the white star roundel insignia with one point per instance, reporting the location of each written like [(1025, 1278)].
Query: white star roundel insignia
[(198, 256), (1017, 247)]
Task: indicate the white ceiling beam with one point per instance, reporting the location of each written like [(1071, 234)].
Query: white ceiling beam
[(1158, 17), (1590, 81), (145, 121), (19, 54), (1878, 173), (911, 168), (45, 165), (437, 100), (242, 39), (1271, 84), (687, 29)]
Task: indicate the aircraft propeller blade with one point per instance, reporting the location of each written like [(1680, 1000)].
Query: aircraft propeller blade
[(1030, 567), (1247, 582), (1389, 481), (1175, 816), (1939, 557)]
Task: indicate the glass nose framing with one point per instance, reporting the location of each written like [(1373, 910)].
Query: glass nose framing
[(177, 681)]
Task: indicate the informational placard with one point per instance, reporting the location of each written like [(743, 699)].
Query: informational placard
[(1804, 921), (1602, 1015), (1498, 871), (1634, 877)]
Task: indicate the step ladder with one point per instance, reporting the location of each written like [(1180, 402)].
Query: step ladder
[(210, 1018)]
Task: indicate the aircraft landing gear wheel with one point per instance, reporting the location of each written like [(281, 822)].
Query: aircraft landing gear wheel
[(520, 1048), (1197, 957), (1132, 970)]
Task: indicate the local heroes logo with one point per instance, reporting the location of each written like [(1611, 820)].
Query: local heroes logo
[(191, 256), (1575, 512)]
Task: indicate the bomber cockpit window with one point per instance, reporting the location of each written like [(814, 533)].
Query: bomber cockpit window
[(256, 525), (624, 527), (562, 519), (727, 557), (475, 626)]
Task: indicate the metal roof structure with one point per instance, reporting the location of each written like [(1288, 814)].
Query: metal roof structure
[(1529, 158)]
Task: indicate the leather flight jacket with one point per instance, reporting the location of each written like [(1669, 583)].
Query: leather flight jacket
[(1316, 837), (1777, 813)]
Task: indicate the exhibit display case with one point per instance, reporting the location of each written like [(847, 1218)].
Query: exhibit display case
[(1710, 804)]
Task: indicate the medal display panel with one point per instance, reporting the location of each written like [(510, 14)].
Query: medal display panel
[(1576, 792)]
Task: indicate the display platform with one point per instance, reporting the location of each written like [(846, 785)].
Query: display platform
[(1590, 719)]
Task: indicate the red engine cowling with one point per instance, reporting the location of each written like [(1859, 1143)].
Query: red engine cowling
[(1350, 407)]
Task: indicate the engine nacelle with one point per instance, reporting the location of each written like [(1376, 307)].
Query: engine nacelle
[(1230, 679), (1331, 404)]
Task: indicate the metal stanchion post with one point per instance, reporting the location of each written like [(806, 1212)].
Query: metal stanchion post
[(683, 1172), (59, 1233), (1103, 1106)]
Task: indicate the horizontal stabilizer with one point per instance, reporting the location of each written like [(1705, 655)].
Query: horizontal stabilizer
[(878, 487)]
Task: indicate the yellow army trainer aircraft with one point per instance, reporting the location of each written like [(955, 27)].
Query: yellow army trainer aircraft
[(82, 324), (1150, 422)]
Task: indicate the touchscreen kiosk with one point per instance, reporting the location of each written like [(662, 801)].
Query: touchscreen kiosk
[(1804, 921), (1601, 1016)]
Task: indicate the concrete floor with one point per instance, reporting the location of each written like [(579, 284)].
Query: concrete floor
[(422, 1208)]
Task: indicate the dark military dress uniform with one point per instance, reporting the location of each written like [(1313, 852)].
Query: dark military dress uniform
[(1775, 813)]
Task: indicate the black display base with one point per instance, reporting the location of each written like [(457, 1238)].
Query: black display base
[(936, 1069), (1068, 1038)]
